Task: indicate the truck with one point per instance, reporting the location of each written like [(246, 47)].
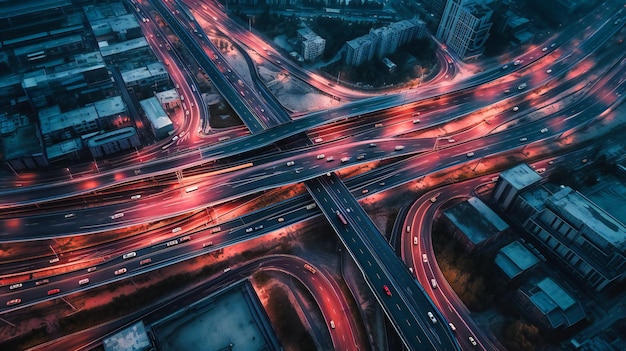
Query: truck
[(342, 218)]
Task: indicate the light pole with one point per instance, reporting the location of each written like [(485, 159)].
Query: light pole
[(474, 169), (70, 172)]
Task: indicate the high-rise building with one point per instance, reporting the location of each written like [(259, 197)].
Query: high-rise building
[(311, 45), (465, 26)]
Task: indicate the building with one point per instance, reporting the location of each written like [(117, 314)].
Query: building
[(566, 226), (581, 236), (152, 74), (549, 305), (513, 182), (160, 123), (515, 259), (121, 28), (382, 41), (474, 224), (169, 99), (311, 45), (125, 50), (113, 142), (23, 148), (465, 26)]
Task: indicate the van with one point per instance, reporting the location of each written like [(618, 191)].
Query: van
[(15, 286), (433, 282), (171, 243)]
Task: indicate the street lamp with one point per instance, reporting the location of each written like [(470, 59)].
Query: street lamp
[(70, 172)]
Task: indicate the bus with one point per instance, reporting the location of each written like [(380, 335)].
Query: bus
[(342, 218)]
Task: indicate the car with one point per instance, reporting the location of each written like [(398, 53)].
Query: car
[(320, 156), (175, 138), (227, 269), (54, 260), (345, 159), (332, 324), (544, 49), (549, 71), (472, 340), (120, 271), (360, 157), (330, 159), (432, 317), (416, 121), (540, 170), (281, 219), (15, 286), (41, 282), (207, 244), (507, 91), (398, 148), (523, 139), (505, 66), (117, 215), (433, 199), (552, 45), (517, 62), (171, 243), (83, 281), (364, 191), (177, 229), (13, 302), (258, 227), (415, 242), (290, 163), (249, 230), (387, 291), (372, 145), (135, 197), (470, 154), (318, 140), (452, 327), (433, 283), (544, 130), (145, 261), (424, 258), (54, 291), (69, 215), (515, 109), (91, 269), (522, 86), (129, 255)]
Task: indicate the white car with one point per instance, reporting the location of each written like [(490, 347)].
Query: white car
[(515, 109), (523, 139), (472, 341), (544, 49), (432, 317), (549, 71), (470, 154), (544, 130), (517, 62), (522, 86), (452, 327), (424, 258), (249, 230)]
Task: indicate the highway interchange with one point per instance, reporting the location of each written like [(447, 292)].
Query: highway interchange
[(368, 129)]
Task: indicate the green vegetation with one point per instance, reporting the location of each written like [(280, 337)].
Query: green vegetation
[(223, 116), (469, 274), (24, 341), (271, 24), (336, 31)]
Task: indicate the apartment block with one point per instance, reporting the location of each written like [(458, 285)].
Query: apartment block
[(465, 26)]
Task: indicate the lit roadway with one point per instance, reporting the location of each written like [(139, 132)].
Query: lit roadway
[(608, 93), (406, 304), (322, 287)]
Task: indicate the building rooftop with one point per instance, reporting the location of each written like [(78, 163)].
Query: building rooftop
[(515, 258), (63, 148), (521, 176), (155, 113), (102, 11), (108, 50), (555, 303), (24, 7), (357, 42), (113, 135), (476, 220), (48, 44), (133, 338), (123, 23), (110, 106), (307, 33), (52, 119), (536, 197), (167, 96), (23, 142), (575, 207)]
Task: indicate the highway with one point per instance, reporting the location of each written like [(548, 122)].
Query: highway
[(543, 79)]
